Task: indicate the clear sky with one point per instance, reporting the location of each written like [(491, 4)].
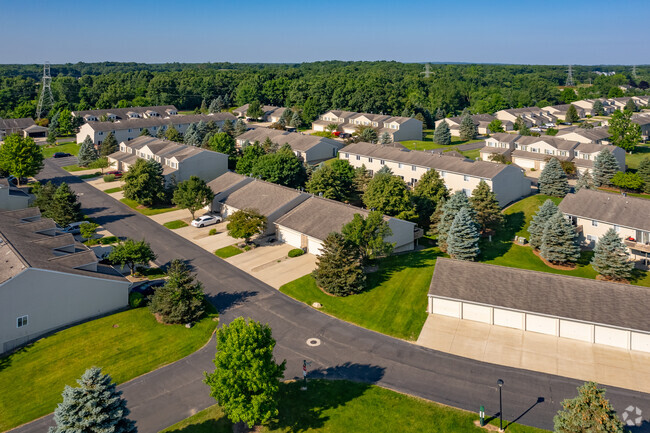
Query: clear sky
[(482, 31)]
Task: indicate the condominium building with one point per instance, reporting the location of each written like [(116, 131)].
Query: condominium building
[(398, 128)]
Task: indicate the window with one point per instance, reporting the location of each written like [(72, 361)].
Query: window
[(358, 158), (369, 159), (101, 133), (399, 165), (591, 238), (442, 174), (413, 181), (129, 129), (466, 178), (370, 172), (347, 155), (21, 321), (413, 168), (382, 162), (594, 223), (467, 192), (617, 229)]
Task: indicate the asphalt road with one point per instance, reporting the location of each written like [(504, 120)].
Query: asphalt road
[(170, 394)]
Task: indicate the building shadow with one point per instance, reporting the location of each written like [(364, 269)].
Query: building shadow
[(644, 427)]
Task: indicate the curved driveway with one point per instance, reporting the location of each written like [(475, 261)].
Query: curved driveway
[(167, 395)]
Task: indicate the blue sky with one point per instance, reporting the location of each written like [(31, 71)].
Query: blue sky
[(482, 31)]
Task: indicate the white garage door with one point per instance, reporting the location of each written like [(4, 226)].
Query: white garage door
[(289, 237), (525, 163), (314, 246)]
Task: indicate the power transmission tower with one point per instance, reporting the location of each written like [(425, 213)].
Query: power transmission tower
[(634, 75), (427, 71), (569, 78), (46, 100)]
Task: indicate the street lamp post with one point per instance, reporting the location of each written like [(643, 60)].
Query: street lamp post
[(500, 383)]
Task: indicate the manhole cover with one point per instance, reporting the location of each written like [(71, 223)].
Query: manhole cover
[(313, 342)]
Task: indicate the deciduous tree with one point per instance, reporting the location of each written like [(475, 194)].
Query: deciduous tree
[(624, 133), (144, 182), (192, 194), (172, 134), (20, 157), (597, 108), (496, 126), (428, 191), (628, 181), (245, 223), (131, 253), (571, 114), (368, 235), (553, 180), (389, 195), (328, 183), (589, 412), (282, 167), (338, 268), (250, 155), (180, 300), (88, 229), (254, 110)]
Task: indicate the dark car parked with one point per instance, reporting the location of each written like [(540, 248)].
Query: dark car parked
[(147, 288), (61, 155)]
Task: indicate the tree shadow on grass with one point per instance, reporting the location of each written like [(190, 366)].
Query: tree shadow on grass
[(502, 240), (585, 258), (303, 410), (391, 265), (637, 275), (214, 425)]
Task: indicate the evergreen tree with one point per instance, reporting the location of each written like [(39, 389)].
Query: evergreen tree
[(43, 194), (440, 114), (597, 108), (204, 107), (228, 127), (161, 133), (338, 267), (519, 124), (144, 182), (191, 136), (589, 412), (296, 121), (214, 106), (145, 133), (456, 202), (254, 110), (53, 127), (428, 192), (286, 116), (436, 216), (585, 181), (644, 172), (365, 134), (65, 208), (463, 237), (630, 106), (611, 257), (538, 223), (485, 204), (467, 128), (94, 406), (250, 155), (442, 134), (559, 243), (385, 138), (221, 103), (269, 146), (605, 168), (109, 145), (571, 114), (240, 128), (180, 300), (553, 180), (87, 152)]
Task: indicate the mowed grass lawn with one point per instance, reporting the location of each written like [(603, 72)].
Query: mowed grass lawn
[(394, 303), (177, 224), (71, 148), (428, 144), (228, 251), (634, 159), (125, 345), (341, 406), (144, 210)]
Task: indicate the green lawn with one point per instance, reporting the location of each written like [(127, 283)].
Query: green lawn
[(472, 154), (394, 303), (72, 168), (71, 148), (125, 345), (177, 224), (113, 190), (428, 144), (153, 210), (338, 406), (90, 176), (228, 251), (631, 194), (634, 159)]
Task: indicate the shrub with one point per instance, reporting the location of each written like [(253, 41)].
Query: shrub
[(136, 300), (296, 252), (109, 178), (108, 240), (247, 248), (91, 242), (212, 232)]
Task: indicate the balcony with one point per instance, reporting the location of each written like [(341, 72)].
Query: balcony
[(632, 245), (418, 233)]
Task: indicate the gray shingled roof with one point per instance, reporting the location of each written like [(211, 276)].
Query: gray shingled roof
[(437, 161), (558, 143), (602, 206), (225, 181), (265, 197), (615, 304), (121, 113), (504, 137), (594, 134), (160, 121), (16, 123), (297, 141)]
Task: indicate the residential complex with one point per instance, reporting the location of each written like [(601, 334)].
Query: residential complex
[(128, 129), (599, 135), (534, 152), (179, 161), (583, 309), (559, 111), (308, 148), (115, 114), (271, 113), (480, 120), (459, 173), (398, 128), (48, 280), (25, 127), (531, 116), (593, 213)]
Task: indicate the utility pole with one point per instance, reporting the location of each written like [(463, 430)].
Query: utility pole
[(569, 78), (46, 100), (427, 71)]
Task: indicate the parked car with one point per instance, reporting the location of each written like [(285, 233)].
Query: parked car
[(116, 173), (61, 155), (73, 228), (206, 220), (147, 288)]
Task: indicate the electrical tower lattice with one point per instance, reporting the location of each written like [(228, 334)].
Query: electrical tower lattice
[(46, 100), (427, 71), (634, 75), (569, 78)]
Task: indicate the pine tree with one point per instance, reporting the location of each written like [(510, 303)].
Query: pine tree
[(53, 127), (467, 128), (589, 412), (204, 107), (181, 299), (486, 206), (559, 243), (228, 127), (109, 145), (269, 146), (64, 208), (214, 106), (456, 202), (597, 108), (87, 152), (296, 121), (519, 124), (553, 180), (538, 223), (338, 270), (440, 114), (442, 135), (145, 133), (585, 181), (644, 172), (385, 138), (240, 127), (605, 167), (571, 114), (463, 237), (43, 194), (611, 258), (94, 406)]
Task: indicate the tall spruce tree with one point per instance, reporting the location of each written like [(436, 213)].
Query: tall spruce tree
[(553, 180), (538, 223), (559, 243), (240, 127), (94, 406), (87, 152), (605, 167), (43, 194), (64, 208), (338, 268), (486, 206), (463, 237), (296, 120), (109, 145), (456, 202), (571, 114), (440, 114), (181, 299), (611, 258), (385, 138), (228, 127), (589, 412), (585, 181), (644, 172), (467, 128), (144, 133), (597, 108), (442, 135), (214, 106)]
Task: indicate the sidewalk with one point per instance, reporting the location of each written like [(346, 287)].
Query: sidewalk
[(538, 352)]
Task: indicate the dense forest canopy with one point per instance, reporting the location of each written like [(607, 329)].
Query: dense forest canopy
[(377, 87)]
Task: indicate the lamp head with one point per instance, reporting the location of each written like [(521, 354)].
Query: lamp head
[(500, 383)]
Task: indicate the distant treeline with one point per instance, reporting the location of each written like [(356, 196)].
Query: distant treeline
[(376, 87)]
